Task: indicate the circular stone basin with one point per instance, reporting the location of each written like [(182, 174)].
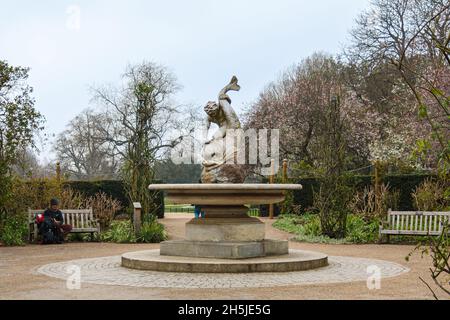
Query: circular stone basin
[(225, 194), (297, 260)]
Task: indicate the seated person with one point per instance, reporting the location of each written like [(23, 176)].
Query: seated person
[(53, 228)]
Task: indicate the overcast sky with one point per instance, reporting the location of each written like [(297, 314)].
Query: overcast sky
[(204, 42)]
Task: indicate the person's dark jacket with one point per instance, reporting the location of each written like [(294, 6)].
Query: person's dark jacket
[(57, 215)]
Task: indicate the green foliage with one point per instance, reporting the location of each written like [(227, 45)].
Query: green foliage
[(119, 232), (123, 232), (178, 208), (80, 237), (361, 231), (295, 224), (19, 120), (332, 202), (423, 111), (32, 193), (307, 228), (13, 231), (152, 231)]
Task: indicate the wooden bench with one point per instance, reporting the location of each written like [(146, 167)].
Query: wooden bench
[(413, 223), (81, 220)]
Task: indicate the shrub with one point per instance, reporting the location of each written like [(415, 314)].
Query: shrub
[(123, 232), (332, 203), (113, 188), (79, 237), (367, 204), (360, 230), (33, 193), (14, 231), (431, 195), (307, 224), (152, 231), (71, 199), (404, 184), (307, 228), (116, 190), (119, 232), (104, 208)]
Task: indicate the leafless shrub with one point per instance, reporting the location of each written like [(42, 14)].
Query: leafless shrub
[(431, 196), (71, 199), (105, 207), (371, 204)]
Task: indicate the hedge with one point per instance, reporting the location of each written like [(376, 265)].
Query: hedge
[(113, 188), (405, 184)]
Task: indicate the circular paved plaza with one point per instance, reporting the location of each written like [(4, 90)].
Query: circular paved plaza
[(108, 271)]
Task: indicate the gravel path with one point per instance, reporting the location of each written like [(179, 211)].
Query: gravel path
[(19, 278)]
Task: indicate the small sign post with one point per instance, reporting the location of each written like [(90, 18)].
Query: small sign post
[(137, 217), (271, 180)]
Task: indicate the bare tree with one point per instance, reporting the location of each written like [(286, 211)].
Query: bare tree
[(144, 124), (83, 153)]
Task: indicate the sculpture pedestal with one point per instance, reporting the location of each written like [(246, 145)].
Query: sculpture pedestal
[(227, 232)]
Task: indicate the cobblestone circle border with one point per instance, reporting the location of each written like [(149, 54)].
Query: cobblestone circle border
[(108, 271)]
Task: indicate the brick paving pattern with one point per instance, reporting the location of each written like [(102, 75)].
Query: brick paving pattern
[(108, 271)]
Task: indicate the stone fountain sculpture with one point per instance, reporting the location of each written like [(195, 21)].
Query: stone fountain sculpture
[(228, 239), (215, 155)]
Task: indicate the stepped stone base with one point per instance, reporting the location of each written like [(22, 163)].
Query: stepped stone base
[(224, 250), (296, 260)]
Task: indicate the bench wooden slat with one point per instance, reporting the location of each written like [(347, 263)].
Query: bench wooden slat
[(420, 213), (81, 220), (414, 223), (409, 232), (83, 230)]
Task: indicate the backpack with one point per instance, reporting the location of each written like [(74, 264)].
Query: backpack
[(46, 230), (48, 237)]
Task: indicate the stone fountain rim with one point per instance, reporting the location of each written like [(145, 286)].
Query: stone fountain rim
[(228, 186)]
